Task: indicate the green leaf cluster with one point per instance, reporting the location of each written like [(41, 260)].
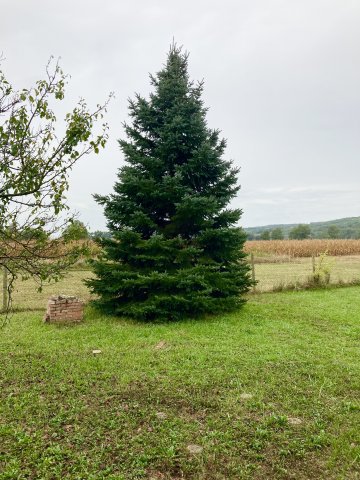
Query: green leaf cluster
[(35, 162), (301, 232), (75, 230)]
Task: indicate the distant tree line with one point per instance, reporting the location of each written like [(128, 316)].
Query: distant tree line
[(306, 231), (274, 234), (77, 230)]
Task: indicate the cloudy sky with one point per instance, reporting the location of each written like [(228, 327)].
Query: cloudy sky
[(282, 80)]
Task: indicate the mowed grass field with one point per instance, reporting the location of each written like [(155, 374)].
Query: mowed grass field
[(268, 392)]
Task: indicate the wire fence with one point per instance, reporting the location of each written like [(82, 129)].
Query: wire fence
[(276, 273), (271, 273), (27, 296)]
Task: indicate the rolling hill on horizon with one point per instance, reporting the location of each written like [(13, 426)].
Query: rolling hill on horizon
[(348, 227)]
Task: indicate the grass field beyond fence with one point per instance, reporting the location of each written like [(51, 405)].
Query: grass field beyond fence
[(273, 272)]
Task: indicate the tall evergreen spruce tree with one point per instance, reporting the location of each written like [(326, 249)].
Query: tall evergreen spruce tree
[(175, 250)]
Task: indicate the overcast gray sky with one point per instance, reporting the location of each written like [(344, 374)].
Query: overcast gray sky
[(282, 80)]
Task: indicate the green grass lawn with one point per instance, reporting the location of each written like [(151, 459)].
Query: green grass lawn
[(269, 392)]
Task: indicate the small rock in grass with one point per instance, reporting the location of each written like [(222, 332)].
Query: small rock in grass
[(194, 449), (161, 415), (96, 352), (246, 396), (160, 345), (294, 421)]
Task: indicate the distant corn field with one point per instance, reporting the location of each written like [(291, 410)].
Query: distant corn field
[(303, 248)]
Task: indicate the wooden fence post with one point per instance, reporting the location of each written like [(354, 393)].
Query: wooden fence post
[(252, 270), (5, 289), (313, 263)]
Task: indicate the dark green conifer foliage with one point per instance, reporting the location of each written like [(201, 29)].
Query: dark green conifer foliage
[(175, 250)]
